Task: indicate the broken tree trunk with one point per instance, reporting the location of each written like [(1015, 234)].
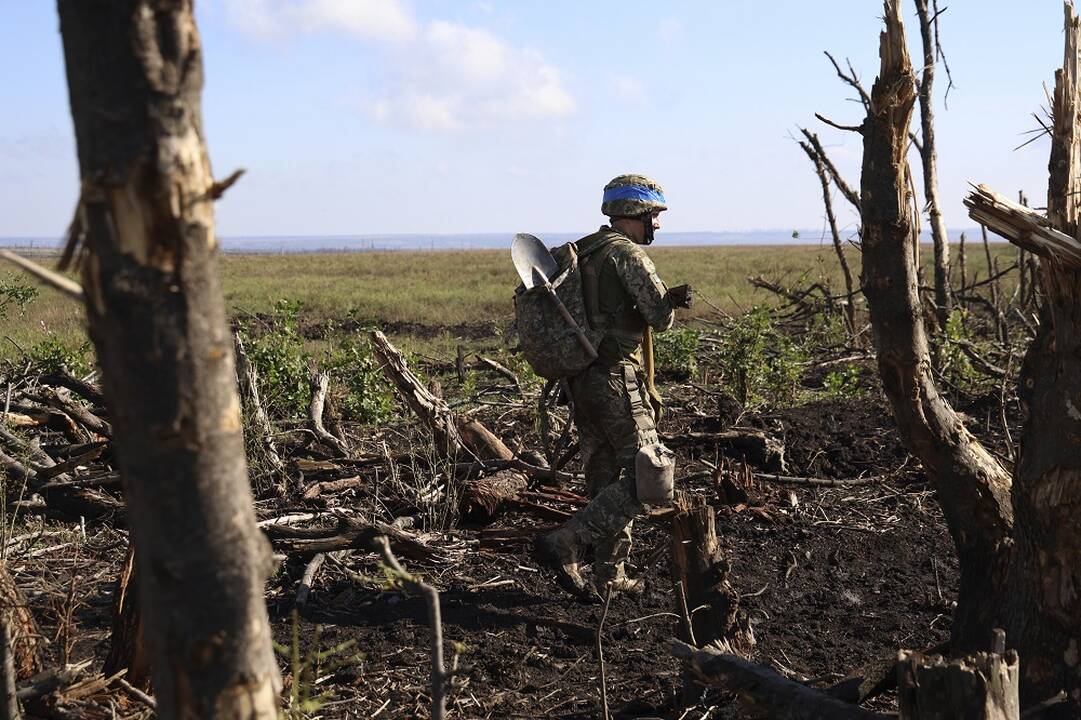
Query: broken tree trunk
[(929, 158), (972, 487), (982, 686), (707, 602), (144, 237), (1041, 601)]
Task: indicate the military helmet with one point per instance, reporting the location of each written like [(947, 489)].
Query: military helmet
[(632, 195)]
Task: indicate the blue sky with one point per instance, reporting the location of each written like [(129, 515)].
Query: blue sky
[(422, 116)]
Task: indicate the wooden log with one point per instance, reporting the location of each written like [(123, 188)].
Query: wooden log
[(771, 694), (483, 499), (982, 686), (349, 534), (759, 449), (126, 647)]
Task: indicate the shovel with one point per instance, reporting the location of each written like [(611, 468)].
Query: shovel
[(536, 267)]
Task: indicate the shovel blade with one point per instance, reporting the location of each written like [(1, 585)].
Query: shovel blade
[(529, 253)]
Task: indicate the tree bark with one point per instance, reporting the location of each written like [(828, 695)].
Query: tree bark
[(1044, 603), (127, 649), (929, 158), (144, 236), (979, 687), (972, 487)]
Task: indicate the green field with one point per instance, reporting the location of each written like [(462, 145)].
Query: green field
[(442, 290)]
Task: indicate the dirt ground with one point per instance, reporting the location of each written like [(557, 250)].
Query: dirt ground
[(833, 579)]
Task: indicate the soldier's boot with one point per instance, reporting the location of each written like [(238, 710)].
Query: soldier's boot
[(558, 551), (609, 566)]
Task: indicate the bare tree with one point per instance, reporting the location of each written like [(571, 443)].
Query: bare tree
[(144, 238), (929, 158), (812, 149), (1019, 544)]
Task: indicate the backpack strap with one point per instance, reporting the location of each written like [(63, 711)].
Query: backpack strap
[(591, 262)]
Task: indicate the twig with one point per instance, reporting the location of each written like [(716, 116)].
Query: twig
[(600, 651), (439, 676), (138, 694), (681, 592), (309, 577)]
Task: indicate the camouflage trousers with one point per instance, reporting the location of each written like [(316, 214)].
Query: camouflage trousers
[(614, 418)]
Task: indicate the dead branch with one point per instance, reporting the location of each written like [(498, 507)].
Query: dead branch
[(851, 195), (439, 676), (348, 534), (320, 383), (1022, 226), (784, 698)]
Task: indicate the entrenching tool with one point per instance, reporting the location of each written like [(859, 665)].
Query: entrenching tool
[(536, 267)]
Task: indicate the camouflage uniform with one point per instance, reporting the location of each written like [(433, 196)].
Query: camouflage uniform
[(612, 409)]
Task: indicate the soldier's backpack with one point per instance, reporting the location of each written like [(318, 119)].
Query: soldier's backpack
[(548, 343)]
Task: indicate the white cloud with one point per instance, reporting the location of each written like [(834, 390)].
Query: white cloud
[(376, 20), (444, 76)]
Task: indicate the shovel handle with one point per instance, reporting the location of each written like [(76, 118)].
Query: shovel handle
[(579, 333)]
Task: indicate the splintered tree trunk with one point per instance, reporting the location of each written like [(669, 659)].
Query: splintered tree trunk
[(711, 603), (979, 687), (144, 234), (929, 158), (973, 489), (1045, 598)]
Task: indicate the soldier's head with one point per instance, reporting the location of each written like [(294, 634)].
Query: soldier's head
[(634, 203)]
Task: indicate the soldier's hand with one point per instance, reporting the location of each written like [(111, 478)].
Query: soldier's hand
[(680, 296)]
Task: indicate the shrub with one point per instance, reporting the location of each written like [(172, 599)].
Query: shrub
[(677, 350), (761, 363)]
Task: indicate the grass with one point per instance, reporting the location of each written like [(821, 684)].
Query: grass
[(442, 290)]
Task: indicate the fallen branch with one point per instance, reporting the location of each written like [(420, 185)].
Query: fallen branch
[(784, 698), (320, 382), (439, 676)]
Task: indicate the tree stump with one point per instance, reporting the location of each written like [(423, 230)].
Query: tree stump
[(982, 686), (707, 602), (24, 636)]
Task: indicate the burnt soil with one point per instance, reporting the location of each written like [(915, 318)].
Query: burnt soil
[(833, 579)]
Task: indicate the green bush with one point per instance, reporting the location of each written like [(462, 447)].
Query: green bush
[(15, 292), (367, 397), (52, 354), (844, 383), (285, 367), (762, 364), (677, 350)]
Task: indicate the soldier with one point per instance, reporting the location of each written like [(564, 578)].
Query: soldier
[(615, 405)]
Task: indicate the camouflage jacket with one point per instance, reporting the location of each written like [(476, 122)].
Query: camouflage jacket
[(622, 293)]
